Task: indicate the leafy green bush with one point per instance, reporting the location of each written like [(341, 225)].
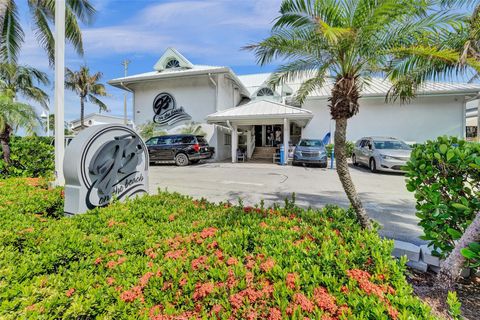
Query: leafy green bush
[(350, 147), (168, 257), (445, 176), (30, 157)]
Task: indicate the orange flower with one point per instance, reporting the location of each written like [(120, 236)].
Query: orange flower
[(267, 265), (171, 217), (208, 232), (70, 292), (291, 279), (324, 300), (303, 302), (98, 261), (110, 281), (274, 314), (232, 261), (202, 290)]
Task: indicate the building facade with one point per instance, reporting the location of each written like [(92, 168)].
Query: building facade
[(244, 113)]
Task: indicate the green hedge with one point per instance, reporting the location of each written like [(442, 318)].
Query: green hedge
[(30, 157), (445, 177), (350, 146), (167, 255)]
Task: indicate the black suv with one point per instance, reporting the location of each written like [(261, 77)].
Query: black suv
[(180, 148)]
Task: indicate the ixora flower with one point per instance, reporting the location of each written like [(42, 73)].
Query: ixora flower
[(291, 280), (70, 292)]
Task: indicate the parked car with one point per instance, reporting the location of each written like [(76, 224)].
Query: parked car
[(310, 151), (381, 153), (182, 149)]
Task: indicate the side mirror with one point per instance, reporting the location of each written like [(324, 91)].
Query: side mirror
[(370, 146)]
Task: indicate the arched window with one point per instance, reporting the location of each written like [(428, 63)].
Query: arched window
[(172, 63), (264, 92)]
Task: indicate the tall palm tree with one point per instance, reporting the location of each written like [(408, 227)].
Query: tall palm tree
[(23, 80), (350, 41), (87, 87), (42, 14), (12, 115)]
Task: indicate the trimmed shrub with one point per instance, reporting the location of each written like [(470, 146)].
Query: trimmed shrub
[(350, 146), (445, 177), (171, 257), (30, 157)]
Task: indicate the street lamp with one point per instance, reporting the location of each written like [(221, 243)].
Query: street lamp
[(46, 116)]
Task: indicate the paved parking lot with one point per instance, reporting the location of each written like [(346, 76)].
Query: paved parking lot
[(384, 195)]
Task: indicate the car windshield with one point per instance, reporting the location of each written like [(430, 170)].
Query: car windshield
[(391, 144), (311, 143)]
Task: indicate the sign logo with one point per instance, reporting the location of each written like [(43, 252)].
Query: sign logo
[(166, 111), (102, 163)]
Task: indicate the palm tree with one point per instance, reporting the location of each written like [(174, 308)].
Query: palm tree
[(43, 13), (12, 115), (193, 128), (87, 87), (351, 41), (23, 80)]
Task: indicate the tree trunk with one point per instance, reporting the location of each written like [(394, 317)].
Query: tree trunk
[(344, 174), (452, 266), (5, 142), (82, 112), (344, 105)]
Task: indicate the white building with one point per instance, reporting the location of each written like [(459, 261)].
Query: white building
[(243, 110), (93, 119)]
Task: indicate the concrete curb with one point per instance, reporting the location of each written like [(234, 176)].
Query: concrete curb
[(420, 257)]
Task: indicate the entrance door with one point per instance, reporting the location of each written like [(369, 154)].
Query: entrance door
[(258, 136)]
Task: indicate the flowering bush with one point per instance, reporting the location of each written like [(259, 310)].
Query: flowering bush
[(170, 257)]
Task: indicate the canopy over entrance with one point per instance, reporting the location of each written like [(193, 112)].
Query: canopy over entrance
[(259, 112)]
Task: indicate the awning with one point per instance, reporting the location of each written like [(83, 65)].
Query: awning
[(260, 112)]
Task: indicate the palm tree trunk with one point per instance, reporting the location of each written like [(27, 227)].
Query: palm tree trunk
[(344, 174), (5, 142), (82, 112), (452, 266)]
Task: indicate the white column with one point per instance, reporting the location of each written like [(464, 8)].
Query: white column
[(234, 143), (59, 89), (249, 143), (286, 137), (264, 135)]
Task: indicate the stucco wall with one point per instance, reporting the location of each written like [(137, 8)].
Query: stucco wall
[(424, 118), (196, 95)]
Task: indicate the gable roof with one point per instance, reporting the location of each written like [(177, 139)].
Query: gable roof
[(261, 109), (172, 53)]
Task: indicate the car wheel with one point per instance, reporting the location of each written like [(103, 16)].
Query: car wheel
[(373, 165), (354, 160), (181, 160)]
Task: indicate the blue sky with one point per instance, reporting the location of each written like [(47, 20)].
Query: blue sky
[(205, 31)]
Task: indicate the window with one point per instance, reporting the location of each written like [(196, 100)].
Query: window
[(184, 140), (172, 63), (228, 139), (311, 143), (151, 142), (265, 92)]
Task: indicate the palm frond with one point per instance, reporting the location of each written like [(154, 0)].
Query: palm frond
[(12, 34)]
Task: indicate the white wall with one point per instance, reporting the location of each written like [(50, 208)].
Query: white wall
[(424, 118), (196, 95)]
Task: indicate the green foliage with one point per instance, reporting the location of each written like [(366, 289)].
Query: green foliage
[(445, 176), (472, 253), (30, 157), (149, 130), (193, 128), (454, 306), (349, 147), (171, 255)]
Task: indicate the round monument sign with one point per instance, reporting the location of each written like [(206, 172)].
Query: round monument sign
[(102, 163)]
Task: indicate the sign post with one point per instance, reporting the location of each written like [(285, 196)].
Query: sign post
[(103, 163)]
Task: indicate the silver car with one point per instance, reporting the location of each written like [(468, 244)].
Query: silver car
[(381, 154)]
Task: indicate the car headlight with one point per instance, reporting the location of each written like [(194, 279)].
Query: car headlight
[(387, 157)]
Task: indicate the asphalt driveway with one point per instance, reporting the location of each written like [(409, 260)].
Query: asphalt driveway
[(384, 195)]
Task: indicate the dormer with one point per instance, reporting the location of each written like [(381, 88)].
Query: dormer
[(172, 59)]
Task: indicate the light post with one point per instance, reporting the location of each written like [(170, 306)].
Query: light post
[(59, 90), (46, 116), (125, 64)]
